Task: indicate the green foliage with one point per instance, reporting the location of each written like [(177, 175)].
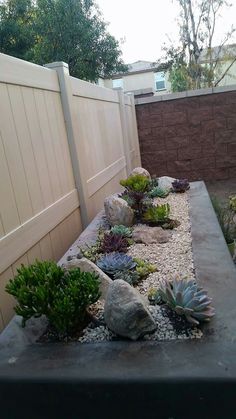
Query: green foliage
[(136, 183), (232, 202), (157, 214), (122, 231), (154, 296), (144, 268), (132, 277), (187, 299), (45, 289), (225, 215), (92, 252), (72, 31), (113, 262), (179, 78), (113, 243), (158, 192)]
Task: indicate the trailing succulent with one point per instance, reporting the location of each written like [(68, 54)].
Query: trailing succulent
[(158, 192), (187, 299), (113, 243), (62, 296), (180, 185), (113, 262), (157, 214), (122, 231)]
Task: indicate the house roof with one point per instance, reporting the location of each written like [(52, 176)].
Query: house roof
[(141, 66), (219, 53)]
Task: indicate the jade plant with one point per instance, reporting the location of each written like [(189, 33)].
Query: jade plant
[(157, 214), (180, 185), (122, 231), (62, 296), (187, 299), (113, 262), (113, 243)]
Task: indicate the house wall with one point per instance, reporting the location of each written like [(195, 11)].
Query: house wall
[(190, 134), (64, 145)]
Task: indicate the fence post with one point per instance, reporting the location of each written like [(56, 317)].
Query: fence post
[(124, 130), (62, 70), (134, 119)]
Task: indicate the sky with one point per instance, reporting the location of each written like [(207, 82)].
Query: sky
[(145, 24)]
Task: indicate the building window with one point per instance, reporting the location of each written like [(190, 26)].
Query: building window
[(116, 83), (160, 83)]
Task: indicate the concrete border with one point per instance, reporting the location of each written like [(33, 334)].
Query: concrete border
[(179, 380)]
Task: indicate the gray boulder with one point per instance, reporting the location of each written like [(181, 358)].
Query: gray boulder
[(165, 182), (126, 313), (86, 265), (118, 211), (140, 171), (150, 235)]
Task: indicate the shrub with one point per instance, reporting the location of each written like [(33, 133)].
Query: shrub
[(113, 243), (187, 299), (62, 296)]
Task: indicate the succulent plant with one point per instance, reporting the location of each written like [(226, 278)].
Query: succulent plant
[(113, 243), (187, 299), (180, 185), (91, 252), (136, 183), (144, 268), (232, 202), (153, 183), (132, 277), (158, 192), (116, 261), (122, 231), (157, 214), (154, 296)]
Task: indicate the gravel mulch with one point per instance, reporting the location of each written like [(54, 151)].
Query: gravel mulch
[(173, 259)]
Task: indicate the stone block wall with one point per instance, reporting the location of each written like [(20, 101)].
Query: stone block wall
[(189, 134)]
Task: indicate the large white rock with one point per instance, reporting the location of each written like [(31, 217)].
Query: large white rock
[(140, 171), (86, 265), (126, 313), (118, 211), (165, 182)]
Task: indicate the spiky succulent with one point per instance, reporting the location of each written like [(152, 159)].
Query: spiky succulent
[(136, 183), (116, 261), (113, 243), (180, 185), (157, 214), (158, 192), (187, 299), (122, 231)]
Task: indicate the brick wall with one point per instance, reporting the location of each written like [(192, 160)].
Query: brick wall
[(189, 136)]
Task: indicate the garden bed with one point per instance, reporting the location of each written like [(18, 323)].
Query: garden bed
[(180, 379)]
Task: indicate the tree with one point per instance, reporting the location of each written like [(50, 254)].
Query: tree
[(72, 31), (195, 60), (16, 27)]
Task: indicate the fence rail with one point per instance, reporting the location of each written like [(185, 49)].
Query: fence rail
[(64, 145)]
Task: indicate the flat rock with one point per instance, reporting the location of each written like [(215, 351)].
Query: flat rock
[(126, 313), (118, 211), (86, 265), (140, 171), (150, 235), (165, 182)]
